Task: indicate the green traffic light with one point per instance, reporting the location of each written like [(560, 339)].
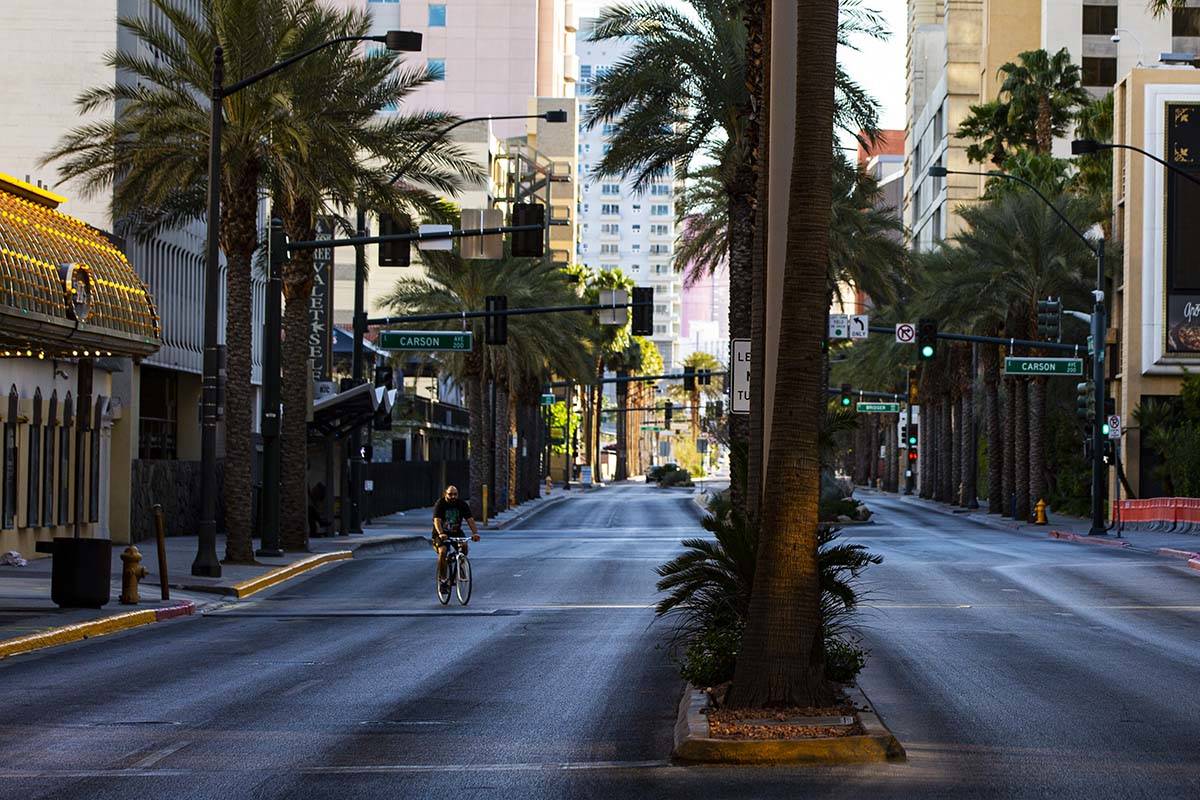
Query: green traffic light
[(1104, 429), (927, 351), (912, 440), (845, 401)]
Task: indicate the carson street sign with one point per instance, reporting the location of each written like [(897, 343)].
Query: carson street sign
[(455, 341), (1026, 365)]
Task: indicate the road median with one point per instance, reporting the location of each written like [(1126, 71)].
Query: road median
[(90, 629)]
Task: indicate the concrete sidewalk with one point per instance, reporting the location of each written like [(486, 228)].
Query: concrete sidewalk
[(1142, 541)]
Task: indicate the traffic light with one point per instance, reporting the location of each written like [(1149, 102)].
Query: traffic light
[(385, 377), (719, 407), (912, 454), (846, 398), (704, 376), (1085, 404), (1110, 408), (1110, 451), (1049, 319), (912, 435), (495, 326), (668, 410), (689, 379), (529, 244), (927, 339), (394, 254), (643, 311)]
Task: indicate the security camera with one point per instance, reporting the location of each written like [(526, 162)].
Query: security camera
[(1116, 37)]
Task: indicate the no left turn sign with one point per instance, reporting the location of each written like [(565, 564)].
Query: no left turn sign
[(906, 333)]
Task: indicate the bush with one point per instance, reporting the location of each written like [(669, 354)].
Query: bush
[(710, 658), (656, 472), (675, 477), (830, 510), (843, 659)]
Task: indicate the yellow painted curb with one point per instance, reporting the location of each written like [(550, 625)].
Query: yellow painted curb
[(275, 576), (693, 744), (76, 632)]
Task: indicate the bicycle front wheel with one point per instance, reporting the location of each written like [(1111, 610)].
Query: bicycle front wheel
[(463, 586)]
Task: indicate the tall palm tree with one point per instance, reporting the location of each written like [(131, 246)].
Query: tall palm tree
[(681, 91), (452, 284), (153, 154), (782, 656), (335, 149), (1045, 88)]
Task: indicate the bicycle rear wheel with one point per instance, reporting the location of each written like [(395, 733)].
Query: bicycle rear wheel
[(463, 585), (443, 589)]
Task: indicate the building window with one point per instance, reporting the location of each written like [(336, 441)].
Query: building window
[(610, 209), (609, 250), (660, 249), (1099, 20), (609, 129), (637, 228), (939, 125), (48, 462), (660, 269), (437, 68), (660, 189), (10, 470), (1185, 22), (610, 188), (637, 248), (585, 72), (158, 425), (437, 15), (659, 230), (32, 496), (935, 224), (635, 267), (94, 464), (612, 228), (394, 2), (1099, 71), (64, 461), (660, 210)]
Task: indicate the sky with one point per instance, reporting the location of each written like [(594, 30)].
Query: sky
[(879, 66)]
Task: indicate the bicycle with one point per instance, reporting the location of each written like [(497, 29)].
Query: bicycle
[(458, 573)]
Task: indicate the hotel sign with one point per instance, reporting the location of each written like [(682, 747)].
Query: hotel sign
[(1182, 207), (320, 306)]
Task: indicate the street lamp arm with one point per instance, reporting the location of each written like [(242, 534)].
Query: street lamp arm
[(549, 116), (287, 62), (1088, 146)]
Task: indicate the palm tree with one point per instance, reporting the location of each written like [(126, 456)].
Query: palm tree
[(681, 90), (452, 284), (782, 656), (691, 398), (325, 143), (153, 154), (994, 133), (1044, 88)]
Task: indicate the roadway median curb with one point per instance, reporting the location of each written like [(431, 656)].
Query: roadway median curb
[(694, 745), (1172, 552), (277, 576), (92, 628), (537, 509)]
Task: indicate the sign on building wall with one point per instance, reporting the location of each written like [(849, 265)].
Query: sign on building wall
[(320, 306), (1182, 277)]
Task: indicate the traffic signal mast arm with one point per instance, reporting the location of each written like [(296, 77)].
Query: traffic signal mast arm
[(318, 244), (635, 378), (897, 396), (508, 312), (970, 337)]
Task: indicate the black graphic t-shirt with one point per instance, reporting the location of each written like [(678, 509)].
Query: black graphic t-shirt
[(451, 513)]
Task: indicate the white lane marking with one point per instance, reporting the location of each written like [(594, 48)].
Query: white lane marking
[(159, 755), (363, 769), (301, 687)]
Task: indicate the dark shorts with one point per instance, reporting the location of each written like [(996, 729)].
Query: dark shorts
[(438, 542)]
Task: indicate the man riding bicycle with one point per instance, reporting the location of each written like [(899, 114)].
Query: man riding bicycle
[(448, 516)]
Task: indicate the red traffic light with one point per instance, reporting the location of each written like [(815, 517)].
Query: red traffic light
[(912, 455)]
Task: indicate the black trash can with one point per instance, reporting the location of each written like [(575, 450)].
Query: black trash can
[(81, 574)]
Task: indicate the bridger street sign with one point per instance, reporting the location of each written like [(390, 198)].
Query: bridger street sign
[(878, 408), (1018, 365), (456, 341)]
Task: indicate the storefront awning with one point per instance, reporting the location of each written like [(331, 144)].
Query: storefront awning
[(65, 290), (340, 413)]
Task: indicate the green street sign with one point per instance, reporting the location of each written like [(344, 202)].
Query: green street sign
[(1021, 365), (455, 341), (651, 428), (547, 399), (878, 408)]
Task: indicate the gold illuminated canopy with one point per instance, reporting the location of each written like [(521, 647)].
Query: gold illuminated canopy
[(65, 290)]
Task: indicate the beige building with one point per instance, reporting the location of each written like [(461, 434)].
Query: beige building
[(1156, 307)]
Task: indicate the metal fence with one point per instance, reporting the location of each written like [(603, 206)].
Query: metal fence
[(401, 485)]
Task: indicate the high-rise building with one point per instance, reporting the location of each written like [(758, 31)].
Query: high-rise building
[(704, 319), (618, 226), (955, 50)]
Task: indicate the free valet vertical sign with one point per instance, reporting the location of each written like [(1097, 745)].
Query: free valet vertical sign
[(320, 305), (739, 371)]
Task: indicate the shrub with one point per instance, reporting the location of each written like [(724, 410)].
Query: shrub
[(710, 658), (830, 510), (656, 472), (675, 477), (843, 659)]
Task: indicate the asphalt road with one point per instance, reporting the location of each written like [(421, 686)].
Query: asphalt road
[(1009, 666)]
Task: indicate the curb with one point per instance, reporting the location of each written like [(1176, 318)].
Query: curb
[(389, 543), (693, 744), (1194, 563), (276, 576), (1083, 539), (553, 501), (92, 628), (1174, 553)]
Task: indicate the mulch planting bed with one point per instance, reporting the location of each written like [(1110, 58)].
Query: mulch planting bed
[(784, 723)]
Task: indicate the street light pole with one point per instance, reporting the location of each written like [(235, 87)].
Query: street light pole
[(1098, 330), (206, 562)]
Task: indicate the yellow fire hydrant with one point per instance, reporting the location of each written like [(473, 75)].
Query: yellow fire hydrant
[(131, 573), (1040, 510), (549, 484)]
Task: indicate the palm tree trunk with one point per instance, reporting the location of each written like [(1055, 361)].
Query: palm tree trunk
[(1045, 132), (891, 465), (1009, 479), (239, 231), (782, 660), (758, 70), (956, 449), (477, 437), (1021, 450), (741, 269), (970, 492), (1037, 441), (293, 466), (945, 449), (991, 384), (500, 439)]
